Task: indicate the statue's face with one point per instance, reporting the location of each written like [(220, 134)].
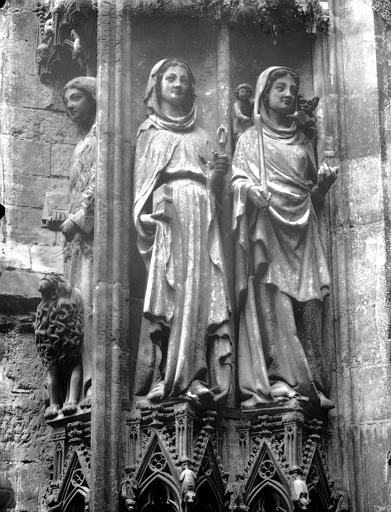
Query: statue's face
[(175, 85), (303, 501), (244, 93), (78, 106), (282, 95)]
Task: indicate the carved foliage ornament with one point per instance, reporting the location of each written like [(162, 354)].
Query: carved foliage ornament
[(66, 40), (273, 16)]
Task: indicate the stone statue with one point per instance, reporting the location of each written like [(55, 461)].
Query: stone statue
[(188, 482), (77, 227), (281, 270), (185, 343), (236, 492), (299, 492), (59, 336), (243, 110)]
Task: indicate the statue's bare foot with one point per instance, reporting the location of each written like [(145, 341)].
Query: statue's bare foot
[(69, 408), (157, 392), (87, 400), (52, 411), (325, 402)]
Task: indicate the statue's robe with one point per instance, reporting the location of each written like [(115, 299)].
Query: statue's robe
[(79, 255), (186, 305), (280, 264)]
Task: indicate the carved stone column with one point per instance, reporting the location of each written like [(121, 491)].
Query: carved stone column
[(293, 425), (360, 253), (111, 261), (184, 415)]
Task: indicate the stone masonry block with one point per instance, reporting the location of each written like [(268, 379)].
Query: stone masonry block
[(25, 90), (47, 259), (23, 225), (370, 401), (23, 24), (61, 155), (360, 294), (36, 124), (24, 156), (30, 190), (358, 180), (15, 256), (17, 283)]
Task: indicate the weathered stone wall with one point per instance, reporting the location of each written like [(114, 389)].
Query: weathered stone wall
[(36, 142), (24, 439)]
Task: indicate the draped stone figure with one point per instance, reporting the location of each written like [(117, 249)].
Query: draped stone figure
[(185, 342), (281, 270), (79, 96)]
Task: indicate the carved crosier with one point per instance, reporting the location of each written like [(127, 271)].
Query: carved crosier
[(185, 336), (281, 272), (59, 337)]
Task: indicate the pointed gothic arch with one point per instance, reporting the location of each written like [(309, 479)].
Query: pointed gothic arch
[(76, 501), (270, 496), (159, 493), (208, 498)]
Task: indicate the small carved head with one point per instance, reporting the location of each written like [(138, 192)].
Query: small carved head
[(243, 91), (48, 28), (189, 496)]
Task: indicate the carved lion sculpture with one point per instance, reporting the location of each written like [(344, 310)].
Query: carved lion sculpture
[(59, 335)]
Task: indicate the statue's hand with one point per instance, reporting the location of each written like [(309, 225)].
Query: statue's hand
[(242, 118), (54, 222), (258, 196), (68, 229), (327, 174), (221, 164)]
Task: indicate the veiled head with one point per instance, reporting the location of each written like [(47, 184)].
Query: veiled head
[(171, 80), (277, 88)]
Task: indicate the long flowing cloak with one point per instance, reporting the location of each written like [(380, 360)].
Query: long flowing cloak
[(280, 260), (79, 259), (186, 297)]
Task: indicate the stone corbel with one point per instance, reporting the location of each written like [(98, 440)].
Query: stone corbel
[(66, 43)]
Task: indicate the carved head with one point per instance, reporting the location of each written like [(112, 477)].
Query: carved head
[(243, 92), (281, 90), (299, 492), (79, 97), (54, 286), (48, 28), (277, 89), (175, 84)]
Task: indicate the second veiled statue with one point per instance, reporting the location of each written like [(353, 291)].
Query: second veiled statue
[(185, 342), (281, 269)]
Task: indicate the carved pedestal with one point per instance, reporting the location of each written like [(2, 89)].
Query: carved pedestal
[(174, 460), (70, 468)]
